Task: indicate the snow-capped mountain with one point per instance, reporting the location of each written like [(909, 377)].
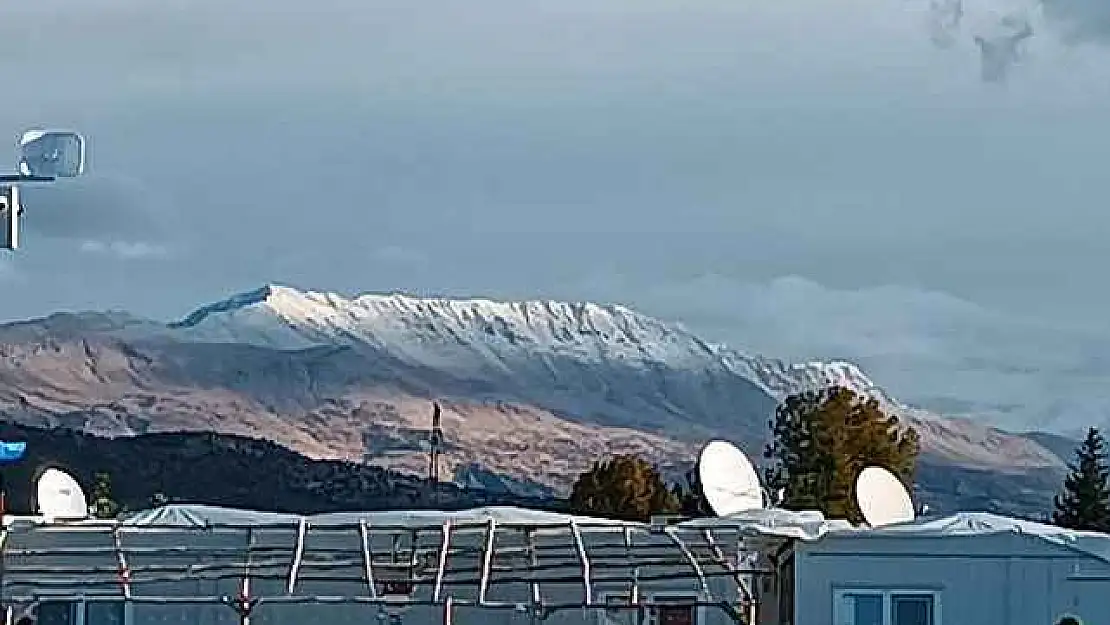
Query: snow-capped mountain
[(480, 334), (532, 391)]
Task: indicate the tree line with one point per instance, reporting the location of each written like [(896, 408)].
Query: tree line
[(820, 441)]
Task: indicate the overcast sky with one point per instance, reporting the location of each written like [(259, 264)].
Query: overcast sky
[(921, 190)]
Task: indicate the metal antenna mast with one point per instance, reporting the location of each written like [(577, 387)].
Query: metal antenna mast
[(435, 441), (44, 156)]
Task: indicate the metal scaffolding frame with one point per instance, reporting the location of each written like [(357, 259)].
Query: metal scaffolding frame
[(448, 564)]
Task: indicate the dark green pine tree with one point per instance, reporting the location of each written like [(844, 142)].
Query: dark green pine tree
[(103, 506), (1085, 502), (691, 499)]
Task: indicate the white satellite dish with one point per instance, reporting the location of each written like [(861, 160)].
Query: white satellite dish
[(60, 496), (51, 154), (882, 498), (728, 479), (44, 156)]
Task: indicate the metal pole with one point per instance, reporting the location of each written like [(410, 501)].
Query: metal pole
[(245, 604), (448, 617), (121, 559), (9, 211), (487, 561), (368, 558), (634, 584), (584, 561), (441, 568), (3, 559), (673, 535), (533, 562), (298, 554)]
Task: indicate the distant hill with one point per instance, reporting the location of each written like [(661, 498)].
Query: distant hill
[(227, 470), (532, 392)]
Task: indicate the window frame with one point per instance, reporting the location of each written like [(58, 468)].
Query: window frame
[(888, 604), (79, 608), (661, 596), (667, 597)]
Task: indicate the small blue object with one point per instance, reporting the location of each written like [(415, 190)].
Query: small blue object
[(10, 451)]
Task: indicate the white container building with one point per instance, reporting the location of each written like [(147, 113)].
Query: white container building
[(201, 565)]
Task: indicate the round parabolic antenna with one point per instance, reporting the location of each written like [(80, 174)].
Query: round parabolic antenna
[(882, 498), (728, 479), (60, 496), (12, 451), (51, 153)]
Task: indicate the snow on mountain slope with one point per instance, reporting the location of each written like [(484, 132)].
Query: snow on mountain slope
[(480, 333), (505, 340), (532, 391)]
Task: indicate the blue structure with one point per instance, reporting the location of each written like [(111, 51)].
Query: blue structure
[(12, 451)]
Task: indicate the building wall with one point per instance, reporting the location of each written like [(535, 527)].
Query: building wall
[(1004, 578)]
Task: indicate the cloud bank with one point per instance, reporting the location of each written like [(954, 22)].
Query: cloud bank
[(124, 250), (107, 215), (928, 348), (1002, 30), (524, 144)]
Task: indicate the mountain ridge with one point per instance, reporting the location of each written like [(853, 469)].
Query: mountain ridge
[(308, 312), (532, 390)]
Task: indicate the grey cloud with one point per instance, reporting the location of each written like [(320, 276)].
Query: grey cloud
[(1000, 50), (125, 250), (96, 208), (1079, 20), (929, 348), (1001, 40), (523, 145), (944, 21)]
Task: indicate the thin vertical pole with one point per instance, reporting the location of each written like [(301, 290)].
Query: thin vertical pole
[(298, 555), (3, 556), (534, 563), (487, 561), (634, 583), (441, 569), (121, 559), (584, 560), (368, 557), (245, 593), (448, 610)]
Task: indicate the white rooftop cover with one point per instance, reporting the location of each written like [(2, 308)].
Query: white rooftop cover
[(804, 525), (982, 523), (203, 516), (775, 522)]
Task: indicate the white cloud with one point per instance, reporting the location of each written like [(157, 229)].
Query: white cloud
[(928, 348), (125, 250)]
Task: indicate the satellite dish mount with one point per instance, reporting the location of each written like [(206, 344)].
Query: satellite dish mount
[(44, 156)]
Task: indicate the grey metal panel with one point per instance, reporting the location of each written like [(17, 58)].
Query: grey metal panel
[(1009, 579), (9, 217)]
